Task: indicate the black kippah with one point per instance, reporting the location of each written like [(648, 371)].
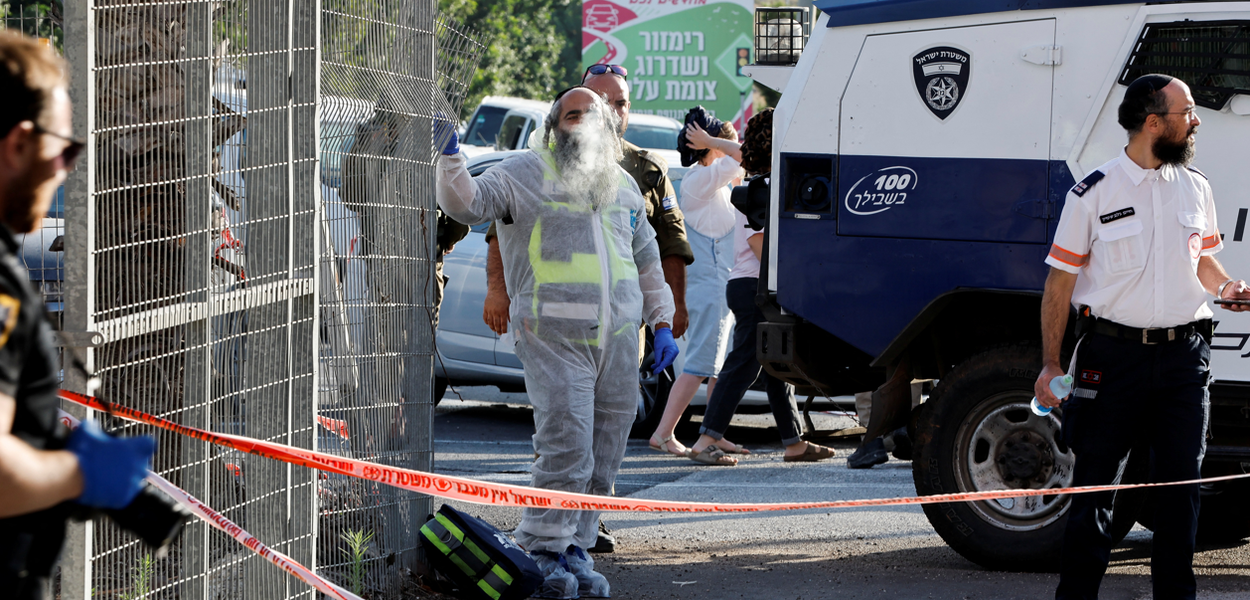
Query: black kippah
[(1146, 85)]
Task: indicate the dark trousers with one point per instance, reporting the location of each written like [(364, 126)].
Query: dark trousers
[(741, 368), (1130, 394)]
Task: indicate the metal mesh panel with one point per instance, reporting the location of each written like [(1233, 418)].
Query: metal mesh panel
[(378, 102), (254, 236), (204, 174)]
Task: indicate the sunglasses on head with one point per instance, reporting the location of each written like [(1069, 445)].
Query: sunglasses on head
[(601, 69), (70, 154)]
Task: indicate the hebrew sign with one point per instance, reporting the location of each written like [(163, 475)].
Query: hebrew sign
[(679, 53)]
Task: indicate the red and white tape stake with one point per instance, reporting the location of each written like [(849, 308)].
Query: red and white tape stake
[(497, 494), (217, 520)]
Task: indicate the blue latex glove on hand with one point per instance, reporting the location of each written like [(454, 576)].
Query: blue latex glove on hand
[(441, 127), (665, 349), (112, 468)]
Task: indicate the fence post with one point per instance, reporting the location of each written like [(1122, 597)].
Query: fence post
[(420, 384), (304, 165), (267, 178), (197, 380), (78, 286)]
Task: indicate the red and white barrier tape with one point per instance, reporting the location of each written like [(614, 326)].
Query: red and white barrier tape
[(482, 492), (217, 520)]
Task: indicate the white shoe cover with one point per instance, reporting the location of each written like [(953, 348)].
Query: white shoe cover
[(558, 582), (590, 583)]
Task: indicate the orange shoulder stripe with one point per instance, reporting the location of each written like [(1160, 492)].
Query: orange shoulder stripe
[(1068, 258)]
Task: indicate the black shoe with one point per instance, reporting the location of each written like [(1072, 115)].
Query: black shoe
[(868, 455), (606, 543), (902, 444)]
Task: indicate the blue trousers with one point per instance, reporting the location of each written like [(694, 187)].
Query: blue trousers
[(741, 368), (1131, 394)]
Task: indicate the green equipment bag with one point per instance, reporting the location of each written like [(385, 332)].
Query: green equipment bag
[(482, 560)]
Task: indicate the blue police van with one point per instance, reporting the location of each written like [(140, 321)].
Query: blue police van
[(922, 152)]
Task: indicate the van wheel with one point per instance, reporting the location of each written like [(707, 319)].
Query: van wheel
[(1222, 516), (977, 433)]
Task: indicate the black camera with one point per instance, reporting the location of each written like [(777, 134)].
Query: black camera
[(153, 517), (751, 200)]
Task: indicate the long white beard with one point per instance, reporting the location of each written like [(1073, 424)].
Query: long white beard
[(588, 159)]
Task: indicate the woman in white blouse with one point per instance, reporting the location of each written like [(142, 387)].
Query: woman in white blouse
[(705, 192)]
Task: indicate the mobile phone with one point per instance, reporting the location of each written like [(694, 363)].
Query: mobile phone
[(1232, 302)]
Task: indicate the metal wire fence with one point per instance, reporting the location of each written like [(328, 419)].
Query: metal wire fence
[(253, 234)]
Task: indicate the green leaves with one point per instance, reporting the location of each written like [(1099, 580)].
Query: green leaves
[(355, 552), (535, 49)]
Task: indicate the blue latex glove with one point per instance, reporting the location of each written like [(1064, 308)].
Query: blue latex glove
[(441, 126), (112, 468), (665, 349)]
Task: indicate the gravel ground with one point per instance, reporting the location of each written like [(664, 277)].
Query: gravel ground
[(889, 552)]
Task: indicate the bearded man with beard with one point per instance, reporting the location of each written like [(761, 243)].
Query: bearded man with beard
[(1134, 254), (583, 271)]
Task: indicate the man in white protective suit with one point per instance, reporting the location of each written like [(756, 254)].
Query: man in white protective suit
[(582, 270)]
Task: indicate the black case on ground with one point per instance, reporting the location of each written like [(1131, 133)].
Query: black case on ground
[(483, 561)]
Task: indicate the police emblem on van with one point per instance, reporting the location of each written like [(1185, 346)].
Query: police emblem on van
[(942, 78)]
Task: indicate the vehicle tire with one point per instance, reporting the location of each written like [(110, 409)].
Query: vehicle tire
[(977, 433), (1224, 516), (440, 388), (653, 395)]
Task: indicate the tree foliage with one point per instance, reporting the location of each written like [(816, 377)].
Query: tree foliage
[(535, 46)]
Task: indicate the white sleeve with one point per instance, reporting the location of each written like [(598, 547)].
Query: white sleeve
[(1070, 250), (472, 200), (1212, 241)]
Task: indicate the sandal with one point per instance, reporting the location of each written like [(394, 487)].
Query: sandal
[(737, 449), (711, 456), (813, 453), (663, 446)]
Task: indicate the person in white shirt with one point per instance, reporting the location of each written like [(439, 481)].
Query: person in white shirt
[(709, 229), (1134, 252), (741, 367)]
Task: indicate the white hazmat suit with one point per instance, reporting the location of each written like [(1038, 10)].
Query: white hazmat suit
[(581, 280)]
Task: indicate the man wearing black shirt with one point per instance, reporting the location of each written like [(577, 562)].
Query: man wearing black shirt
[(44, 470)]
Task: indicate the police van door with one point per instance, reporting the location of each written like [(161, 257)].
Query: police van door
[(945, 135)]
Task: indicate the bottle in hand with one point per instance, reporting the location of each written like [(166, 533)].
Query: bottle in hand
[(1060, 387)]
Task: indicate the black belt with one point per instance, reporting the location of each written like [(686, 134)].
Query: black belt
[(1154, 335)]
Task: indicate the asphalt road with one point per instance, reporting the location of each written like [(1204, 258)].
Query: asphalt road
[(859, 553)]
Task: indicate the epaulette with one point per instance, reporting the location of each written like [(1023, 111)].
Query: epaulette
[(1195, 169), (1087, 183), (654, 158)]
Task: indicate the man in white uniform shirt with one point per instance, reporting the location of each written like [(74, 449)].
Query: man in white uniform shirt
[(1134, 252)]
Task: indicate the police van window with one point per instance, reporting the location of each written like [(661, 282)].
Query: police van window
[(1213, 58)]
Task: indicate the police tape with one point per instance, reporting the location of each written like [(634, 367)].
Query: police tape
[(496, 494), (217, 520)]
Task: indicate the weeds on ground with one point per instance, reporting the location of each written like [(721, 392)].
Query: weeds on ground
[(357, 548), (143, 574)]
